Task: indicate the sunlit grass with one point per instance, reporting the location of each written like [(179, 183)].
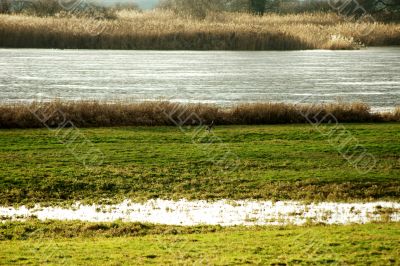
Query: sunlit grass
[(278, 162), (171, 245)]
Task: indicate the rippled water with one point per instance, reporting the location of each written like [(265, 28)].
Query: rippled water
[(223, 77)]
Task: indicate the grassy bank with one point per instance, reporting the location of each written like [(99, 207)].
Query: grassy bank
[(261, 162), (220, 31), (103, 114), (353, 244)]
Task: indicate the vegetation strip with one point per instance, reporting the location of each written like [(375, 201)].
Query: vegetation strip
[(163, 113), (164, 30), (80, 243)]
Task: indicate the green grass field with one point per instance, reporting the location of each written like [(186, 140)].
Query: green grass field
[(376, 244), (273, 162), (236, 162)]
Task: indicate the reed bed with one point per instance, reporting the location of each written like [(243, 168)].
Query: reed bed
[(163, 29), (107, 114)]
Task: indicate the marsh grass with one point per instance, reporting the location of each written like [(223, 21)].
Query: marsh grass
[(161, 113), (163, 29)]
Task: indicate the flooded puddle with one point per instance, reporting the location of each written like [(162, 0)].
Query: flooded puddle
[(222, 212)]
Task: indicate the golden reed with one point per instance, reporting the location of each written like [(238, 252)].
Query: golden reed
[(162, 113), (163, 29)]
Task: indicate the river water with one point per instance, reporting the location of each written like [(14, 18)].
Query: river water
[(223, 77)]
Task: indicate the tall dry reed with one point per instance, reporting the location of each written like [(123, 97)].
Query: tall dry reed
[(218, 31), (105, 114)]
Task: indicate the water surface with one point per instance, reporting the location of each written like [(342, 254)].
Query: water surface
[(222, 77), (221, 212)]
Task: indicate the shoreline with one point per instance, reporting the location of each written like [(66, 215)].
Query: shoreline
[(63, 114)]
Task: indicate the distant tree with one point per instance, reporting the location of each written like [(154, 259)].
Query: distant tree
[(196, 8), (200, 8), (237, 5), (371, 6), (363, 9), (274, 6), (42, 7), (296, 6), (4, 6), (126, 6), (258, 6), (387, 5)]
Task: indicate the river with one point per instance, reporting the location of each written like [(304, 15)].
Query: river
[(222, 77)]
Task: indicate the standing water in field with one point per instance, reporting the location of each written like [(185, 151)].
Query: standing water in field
[(221, 212), (222, 77)]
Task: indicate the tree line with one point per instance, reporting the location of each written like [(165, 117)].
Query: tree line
[(259, 7), (200, 8)]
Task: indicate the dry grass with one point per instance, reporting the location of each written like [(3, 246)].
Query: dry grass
[(98, 114), (396, 113), (218, 31)]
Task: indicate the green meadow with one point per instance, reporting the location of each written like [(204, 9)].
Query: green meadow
[(277, 162), (77, 243)]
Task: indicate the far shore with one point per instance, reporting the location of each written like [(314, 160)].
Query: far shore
[(165, 30)]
